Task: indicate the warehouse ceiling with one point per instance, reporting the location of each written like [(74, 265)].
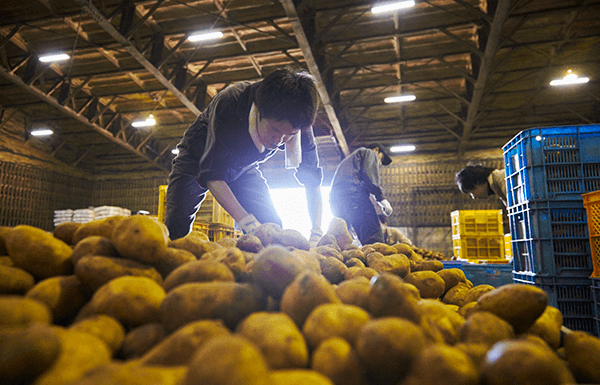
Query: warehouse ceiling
[(479, 71)]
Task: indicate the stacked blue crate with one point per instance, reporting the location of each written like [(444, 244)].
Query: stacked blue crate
[(547, 170)]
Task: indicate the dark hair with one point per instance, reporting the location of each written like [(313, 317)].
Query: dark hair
[(288, 95), (386, 157), (472, 175)]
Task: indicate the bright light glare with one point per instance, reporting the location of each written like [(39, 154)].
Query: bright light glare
[(144, 123), (292, 208), (538, 138), (404, 148), (392, 6), (399, 98), (175, 151), (57, 57), (42, 132), (570, 78), (205, 36)]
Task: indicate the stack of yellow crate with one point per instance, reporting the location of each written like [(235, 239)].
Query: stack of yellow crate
[(478, 235), (211, 218)]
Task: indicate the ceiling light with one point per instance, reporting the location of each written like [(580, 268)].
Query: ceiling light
[(403, 148), (399, 98), (389, 7), (175, 151), (202, 36), (41, 132), (56, 57), (144, 123), (570, 78)]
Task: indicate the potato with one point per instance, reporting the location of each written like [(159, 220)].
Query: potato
[(456, 294), (442, 365), (79, 353), (38, 252), (483, 327), (116, 373), (101, 227), (430, 284), (582, 351), (389, 296), (198, 271), (227, 360), (548, 327), (21, 311), (14, 280), (277, 337), (339, 229), (353, 253), (354, 292), (26, 351), (171, 258), (475, 351), (291, 238), (298, 377), (452, 277), (396, 264), (140, 238), (329, 240), (354, 272), (249, 242), (64, 296), (475, 292), (354, 262), (333, 269), (266, 233), (379, 247), (228, 301), (6, 261), (310, 260), (441, 319), (65, 232), (406, 249), (93, 245), (232, 257), (524, 362), (105, 327), (328, 251), (133, 301), (336, 359), (387, 348), (274, 269), (227, 242), (428, 265), (307, 291), (195, 244), (334, 320), (519, 305), (141, 339), (178, 348), (95, 271), (3, 231), (467, 309)]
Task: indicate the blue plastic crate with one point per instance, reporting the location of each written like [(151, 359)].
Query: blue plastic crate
[(552, 163), (495, 274), (550, 238), (573, 296)]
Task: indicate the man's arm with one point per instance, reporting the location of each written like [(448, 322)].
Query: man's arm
[(314, 199), (223, 194)]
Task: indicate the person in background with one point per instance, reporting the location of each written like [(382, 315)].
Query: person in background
[(244, 125), (355, 180), (481, 182)]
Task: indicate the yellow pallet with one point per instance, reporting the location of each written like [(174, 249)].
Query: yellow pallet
[(476, 222), (484, 247), (210, 211)]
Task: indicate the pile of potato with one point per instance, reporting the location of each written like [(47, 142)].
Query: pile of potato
[(115, 301)]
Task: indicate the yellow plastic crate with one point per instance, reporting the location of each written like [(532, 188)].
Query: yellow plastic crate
[(210, 211), (484, 247), (218, 231), (507, 246), (476, 222)]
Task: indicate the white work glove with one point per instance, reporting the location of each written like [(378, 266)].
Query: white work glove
[(315, 237), (249, 224), (386, 207)]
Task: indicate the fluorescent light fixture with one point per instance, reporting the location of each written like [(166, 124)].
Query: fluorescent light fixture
[(143, 212), (175, 151), (144, 123), (403, 148), (56, 57), (570, 78), (42, 132), (399, 98), (389, 7), (202, 36)]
